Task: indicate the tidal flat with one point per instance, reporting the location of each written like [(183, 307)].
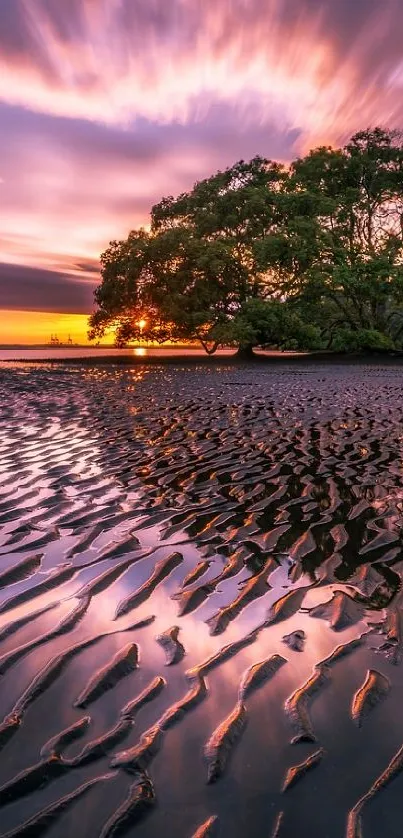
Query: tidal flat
[(201, 600)]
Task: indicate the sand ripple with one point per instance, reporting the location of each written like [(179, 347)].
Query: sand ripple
[(196, 521)]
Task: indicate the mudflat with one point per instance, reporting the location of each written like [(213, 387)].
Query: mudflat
[(200, 600)]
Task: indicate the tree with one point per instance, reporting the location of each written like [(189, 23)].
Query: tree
[(259, 255), (190, 275), (358, 280), (119, 297), (177, 286), (271, 324)]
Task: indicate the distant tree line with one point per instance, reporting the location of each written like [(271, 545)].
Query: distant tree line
[(308, 256)]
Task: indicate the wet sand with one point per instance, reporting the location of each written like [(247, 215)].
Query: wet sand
[(200, 600)]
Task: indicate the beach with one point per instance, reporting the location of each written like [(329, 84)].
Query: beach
[(200, 599)]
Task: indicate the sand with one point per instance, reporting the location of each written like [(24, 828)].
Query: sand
[(200, 600)]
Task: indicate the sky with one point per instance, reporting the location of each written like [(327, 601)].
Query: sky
[(108, 105)]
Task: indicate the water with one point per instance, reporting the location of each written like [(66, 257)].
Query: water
[(64, 352), (240, 505)]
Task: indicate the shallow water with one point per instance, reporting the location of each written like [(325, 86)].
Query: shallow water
[(239, 505), (69, 353)]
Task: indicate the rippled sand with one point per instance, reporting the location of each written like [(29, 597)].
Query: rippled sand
[(200, 601)]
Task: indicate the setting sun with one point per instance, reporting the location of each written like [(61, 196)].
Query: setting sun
[(201, 358)]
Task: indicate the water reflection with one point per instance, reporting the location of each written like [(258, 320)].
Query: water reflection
[(105, 474)]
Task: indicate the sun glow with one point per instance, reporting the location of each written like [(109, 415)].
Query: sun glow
[(108, 107), (37, 327)]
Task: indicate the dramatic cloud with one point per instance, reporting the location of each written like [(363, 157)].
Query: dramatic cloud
[(106, 105), (70, 186), (318, 65), (35, 289)]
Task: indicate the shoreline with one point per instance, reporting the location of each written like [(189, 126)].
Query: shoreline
[(260, 359)]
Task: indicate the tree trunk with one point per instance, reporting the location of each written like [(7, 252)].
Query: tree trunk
[(245, 353), (210, 349)]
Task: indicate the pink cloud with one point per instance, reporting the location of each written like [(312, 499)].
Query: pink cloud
[(106, 105), (275, 62)]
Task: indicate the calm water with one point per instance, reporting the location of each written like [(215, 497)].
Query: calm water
[(57, 354)]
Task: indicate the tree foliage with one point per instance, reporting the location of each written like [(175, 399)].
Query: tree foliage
[(262, 255)]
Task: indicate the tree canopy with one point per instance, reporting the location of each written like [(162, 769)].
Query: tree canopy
[(305, 256)]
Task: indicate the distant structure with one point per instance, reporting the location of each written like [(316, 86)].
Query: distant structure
[(54, 341)]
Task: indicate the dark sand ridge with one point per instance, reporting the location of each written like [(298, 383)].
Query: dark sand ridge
[(174, 356), (255, 513)]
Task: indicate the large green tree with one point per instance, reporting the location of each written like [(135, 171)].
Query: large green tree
[(264, 255), (357, 281), (172, 286), (191, 274)]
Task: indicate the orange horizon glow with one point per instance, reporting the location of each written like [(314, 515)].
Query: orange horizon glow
[(37, 327), (31, 328), (107, 107)]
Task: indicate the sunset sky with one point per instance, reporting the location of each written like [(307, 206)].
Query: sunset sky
[(107, 105)]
